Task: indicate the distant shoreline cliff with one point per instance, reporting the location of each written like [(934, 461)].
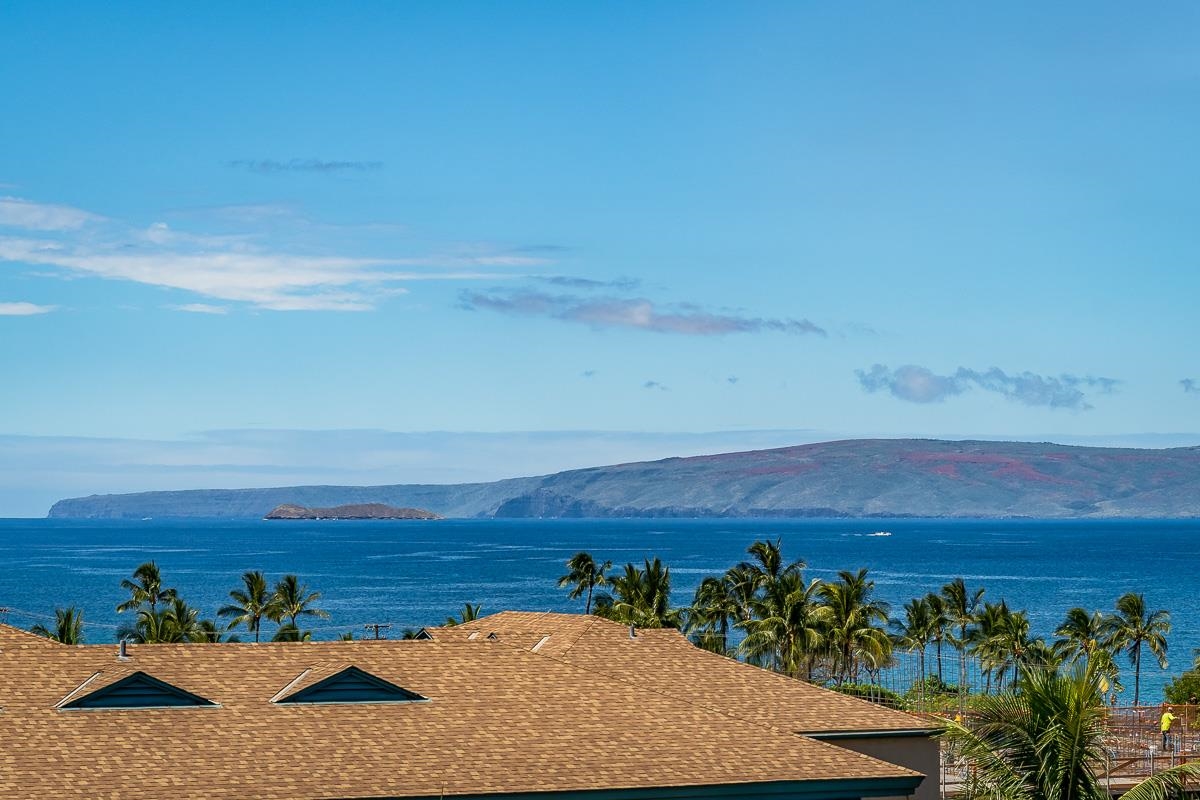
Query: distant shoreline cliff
[(352, 511), (854, 478)]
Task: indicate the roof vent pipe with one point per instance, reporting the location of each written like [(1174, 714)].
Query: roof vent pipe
[(122, 650), (632, 632)]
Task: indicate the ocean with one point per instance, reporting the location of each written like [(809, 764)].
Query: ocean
[(411, 574)]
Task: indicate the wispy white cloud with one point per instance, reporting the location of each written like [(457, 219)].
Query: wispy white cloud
[(23, 309), (233, 268), (636, 313), (918, 384), (200, 308), (16, 212)]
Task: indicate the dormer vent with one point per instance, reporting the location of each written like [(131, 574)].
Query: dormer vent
[(351, 685), (137, 690)]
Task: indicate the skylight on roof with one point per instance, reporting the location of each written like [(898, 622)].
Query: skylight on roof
[(352, 685), (138, 690)]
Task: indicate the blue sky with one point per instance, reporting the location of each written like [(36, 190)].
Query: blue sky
[(778, 221)]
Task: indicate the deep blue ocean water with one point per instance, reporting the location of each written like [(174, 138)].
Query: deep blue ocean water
[(417, 573)]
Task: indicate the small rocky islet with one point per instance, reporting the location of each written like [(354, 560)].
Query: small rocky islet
[(352, 511)]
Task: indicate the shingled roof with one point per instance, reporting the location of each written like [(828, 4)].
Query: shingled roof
[(664, 661), (500, 720)]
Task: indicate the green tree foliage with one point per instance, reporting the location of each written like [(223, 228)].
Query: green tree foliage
[(641, 596), (145, 589), (1042, 742), (1133, 629), (469, 613), (250, 605), (292, 600), (68, 626), (584, 574)]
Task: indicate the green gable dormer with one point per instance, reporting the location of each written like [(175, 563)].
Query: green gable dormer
[(137, 690), (352, 685)]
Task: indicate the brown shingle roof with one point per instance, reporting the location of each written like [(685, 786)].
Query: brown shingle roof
[(501, 719), (664, 661)]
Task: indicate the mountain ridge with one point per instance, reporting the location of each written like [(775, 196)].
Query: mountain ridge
[(845, 478)]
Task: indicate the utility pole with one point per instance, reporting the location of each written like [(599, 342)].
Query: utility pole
[(377, 627)]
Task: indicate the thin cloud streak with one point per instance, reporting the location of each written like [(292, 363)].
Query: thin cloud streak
[(571, 282), (629, 313), (230, 267), (16, 212), (917, 384), (200, 308), (24, 309), (269, 166)]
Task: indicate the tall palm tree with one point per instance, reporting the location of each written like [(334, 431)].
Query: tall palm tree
[(915, 633), (184, 624), (68, 626), (145, 589), (716, 607), (292, 599), (584, 575), (941, 623), (989, 620), (1081, 636), (250, 604), (852, 631), (786, 629), (960, 609), (766, 563), (1131, 628), (1044, 741), (641, 597)]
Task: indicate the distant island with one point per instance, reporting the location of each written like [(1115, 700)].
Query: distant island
[(852, 478), (352, 511)]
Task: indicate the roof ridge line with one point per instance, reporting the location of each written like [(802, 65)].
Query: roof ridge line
[(591, 622)]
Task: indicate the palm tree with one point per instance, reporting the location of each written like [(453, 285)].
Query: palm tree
[(289, 632), (1081, 636), (852, 634), (150, 627), (145, 589), (766, 563), (960, 609), (988, 621), (915, 632), (584, 574), (641, 597), (184, 624), (1044, 741), (787, 625), (716, 607), (291, 600), (209, 632), (250, 604), (68, 626), (470, 613), (1131, 628), (940, 622)]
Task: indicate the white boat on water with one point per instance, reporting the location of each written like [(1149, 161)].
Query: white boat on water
[(880, 533)]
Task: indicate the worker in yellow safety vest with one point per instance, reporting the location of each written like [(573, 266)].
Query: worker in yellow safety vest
[(1165, 725)]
